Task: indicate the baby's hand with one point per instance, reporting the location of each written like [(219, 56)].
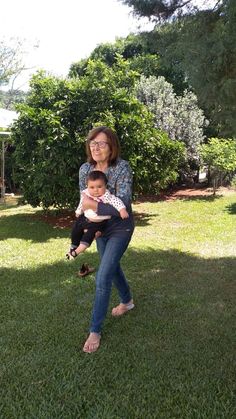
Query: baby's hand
[(77, 214), (124, 213)]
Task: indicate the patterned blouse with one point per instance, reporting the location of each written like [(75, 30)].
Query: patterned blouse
[(119, 184)]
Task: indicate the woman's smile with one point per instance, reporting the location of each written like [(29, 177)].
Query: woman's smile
[(100, 148)]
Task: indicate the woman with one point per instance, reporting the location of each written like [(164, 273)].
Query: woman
[(103, 149)]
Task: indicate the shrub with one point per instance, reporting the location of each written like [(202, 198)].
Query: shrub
[(220, 157), (49, 135), (179, 116)]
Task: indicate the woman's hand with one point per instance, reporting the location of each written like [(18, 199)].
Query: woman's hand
[(89, 203)]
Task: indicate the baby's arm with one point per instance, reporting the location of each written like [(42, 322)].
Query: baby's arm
[(123, 213), (79, 209), (116, 203)]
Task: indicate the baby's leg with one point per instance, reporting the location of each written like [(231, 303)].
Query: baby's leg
[(91, 231), (81, 248), (73, 252), (77, 232), (85, 241)]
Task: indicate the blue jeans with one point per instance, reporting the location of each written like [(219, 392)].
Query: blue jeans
[(110, 250)]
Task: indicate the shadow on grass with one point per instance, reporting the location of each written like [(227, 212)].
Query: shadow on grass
[(231, 209), (143, 219), (181, 194), (38, 227), (176, 346), (156, 277), (210, 198), (29, 227)]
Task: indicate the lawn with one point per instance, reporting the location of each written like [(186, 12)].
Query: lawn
[(173, 356)]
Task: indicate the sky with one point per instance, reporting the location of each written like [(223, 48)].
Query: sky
[(64, 30)]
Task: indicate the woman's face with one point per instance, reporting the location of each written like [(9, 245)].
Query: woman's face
[(100, 148)]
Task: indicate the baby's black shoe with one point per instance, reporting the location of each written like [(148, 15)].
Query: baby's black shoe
[(71, 254)]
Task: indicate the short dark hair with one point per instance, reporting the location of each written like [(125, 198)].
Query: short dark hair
[(112, 140), (96, 175)]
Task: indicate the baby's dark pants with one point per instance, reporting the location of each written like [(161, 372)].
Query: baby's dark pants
[(83, 231)]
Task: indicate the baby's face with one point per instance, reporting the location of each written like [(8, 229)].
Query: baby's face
[(96, 187)]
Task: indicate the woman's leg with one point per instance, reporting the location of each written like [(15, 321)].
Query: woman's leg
[(118, 279), (111, 250), (120, 282)]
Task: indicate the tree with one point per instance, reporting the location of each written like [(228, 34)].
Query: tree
[(12, 54), (9, 99), (179, 116), (11, 59), (201, 44), (206, 49), (50, 132), (161, 9), (140, 51), (219, 155)]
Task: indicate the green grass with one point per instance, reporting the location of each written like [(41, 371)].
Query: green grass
[(173, 356)]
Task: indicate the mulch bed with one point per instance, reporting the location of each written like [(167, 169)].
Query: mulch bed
[(181, 193), (66, 218), (62, 219)]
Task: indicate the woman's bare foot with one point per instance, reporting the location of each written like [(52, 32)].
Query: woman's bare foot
[(92, 343), (122, 309)]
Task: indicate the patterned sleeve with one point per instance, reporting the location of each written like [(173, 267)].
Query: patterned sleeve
[(83, 173), (120, 185), (116, 202), (123, 186)]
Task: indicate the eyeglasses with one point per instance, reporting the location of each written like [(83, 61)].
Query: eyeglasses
[(99, 144)]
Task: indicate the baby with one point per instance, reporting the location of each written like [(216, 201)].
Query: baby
[(90, 225)]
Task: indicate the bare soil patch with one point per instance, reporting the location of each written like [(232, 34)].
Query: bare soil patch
[(185, 193), (66, 218)]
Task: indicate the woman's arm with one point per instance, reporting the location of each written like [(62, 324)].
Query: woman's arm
[(83, 174), (121, 186)]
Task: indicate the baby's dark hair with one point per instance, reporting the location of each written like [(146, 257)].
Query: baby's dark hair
[(96, 175)]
